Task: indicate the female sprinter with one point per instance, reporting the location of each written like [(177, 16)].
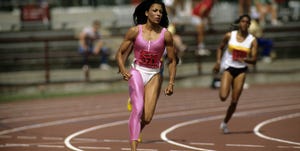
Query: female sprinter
[(148, 39), (241, 50)]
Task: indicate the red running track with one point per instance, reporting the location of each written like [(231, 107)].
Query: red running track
[(267, 119)]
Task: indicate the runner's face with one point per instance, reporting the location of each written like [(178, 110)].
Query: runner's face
[(154, 13), (244, 24)]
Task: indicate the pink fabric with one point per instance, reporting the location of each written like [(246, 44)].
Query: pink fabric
[(136, 92), (149, 53)]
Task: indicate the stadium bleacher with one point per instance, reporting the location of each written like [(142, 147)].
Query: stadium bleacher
[(57, 48)]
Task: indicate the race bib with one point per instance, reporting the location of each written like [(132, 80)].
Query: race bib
[(237, 54), (149, 59)]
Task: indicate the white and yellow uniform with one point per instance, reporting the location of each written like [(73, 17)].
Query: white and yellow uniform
[(236, 50)]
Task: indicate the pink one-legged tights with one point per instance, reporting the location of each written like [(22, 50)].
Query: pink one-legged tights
[(136, 92)]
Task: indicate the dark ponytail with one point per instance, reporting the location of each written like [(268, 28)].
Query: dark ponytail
[(235, 24)]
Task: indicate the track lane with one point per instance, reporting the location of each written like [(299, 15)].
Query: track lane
[(185, 105)]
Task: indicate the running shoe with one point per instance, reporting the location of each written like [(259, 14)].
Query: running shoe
[(203, 52), (105, 66), (85, 68), (140, 138), (129, 107), (224, 128)]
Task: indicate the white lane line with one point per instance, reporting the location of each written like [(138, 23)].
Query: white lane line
[(283, 146), (14, 145), (101, 116), (180, 113), (53, 138), (95, 148), (50, 146), (57, 115), (276, 119), (5, 136), (115, 141), (68, 139), (140, 149), (85, 139), (244, 145), (204, 144), (26, 137), (164, 137), (297, 147), (60, 122), (87, 118)]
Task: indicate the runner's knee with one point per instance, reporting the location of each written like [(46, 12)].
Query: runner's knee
[(147, 120), (223, 97)]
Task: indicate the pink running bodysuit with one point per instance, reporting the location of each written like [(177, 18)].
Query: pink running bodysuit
[(146, 63)]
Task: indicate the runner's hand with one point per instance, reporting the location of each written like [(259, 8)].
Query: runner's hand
[(126, 75), (216, 68), (169, 90)]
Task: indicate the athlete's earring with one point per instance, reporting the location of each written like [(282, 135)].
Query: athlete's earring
[(146, 13)]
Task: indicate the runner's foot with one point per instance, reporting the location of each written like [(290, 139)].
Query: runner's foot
[(129, 107), (224, 128)]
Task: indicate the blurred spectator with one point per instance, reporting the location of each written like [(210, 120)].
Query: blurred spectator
[(294, 7), (180, 47), (135, 2), (266, 7), (91, 44), (170, 8), (265, 44), (200, 18), (244, 6), (45, 12), (183, 8)]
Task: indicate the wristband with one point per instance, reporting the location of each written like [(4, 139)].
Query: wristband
[(171, 83)]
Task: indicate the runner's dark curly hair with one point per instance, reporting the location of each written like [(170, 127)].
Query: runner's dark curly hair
[(139, 16)]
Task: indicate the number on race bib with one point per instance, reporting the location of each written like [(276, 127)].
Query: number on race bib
[(149, 59), (237, 54)]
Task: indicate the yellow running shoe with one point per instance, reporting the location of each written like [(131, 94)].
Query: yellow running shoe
[(129, 107), (140, 138)]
